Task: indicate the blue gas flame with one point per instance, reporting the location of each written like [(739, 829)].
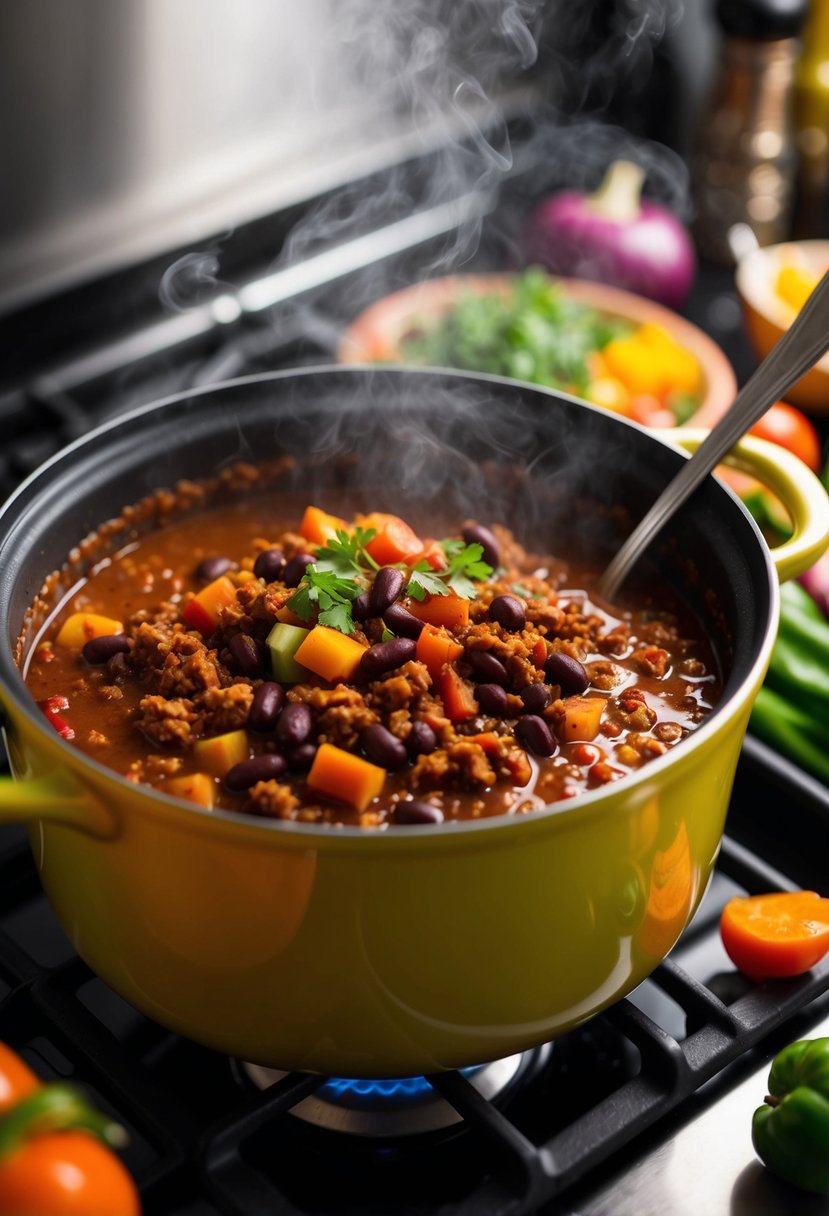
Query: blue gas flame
[(400, 1089)]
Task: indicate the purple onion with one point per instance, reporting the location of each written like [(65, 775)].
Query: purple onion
[(815, 581), (615, 237)]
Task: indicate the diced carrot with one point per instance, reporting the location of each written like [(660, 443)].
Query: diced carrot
[(330, 654), (81, 627), (457, 696), (202, 611), (395, 540), (219, 754), (319, 527), (435, 648), (348, 778), (196, 787), (582, 716), (539, 652), (488, 740), (449, 610), (433, 553)]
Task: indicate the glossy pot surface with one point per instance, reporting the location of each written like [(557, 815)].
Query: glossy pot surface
[(398, 952)]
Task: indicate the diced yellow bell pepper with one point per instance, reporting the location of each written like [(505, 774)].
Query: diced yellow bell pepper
[(219, 754), (81, 627), (196, 787)]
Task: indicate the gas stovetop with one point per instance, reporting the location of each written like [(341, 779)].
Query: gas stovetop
[(645, 1109)]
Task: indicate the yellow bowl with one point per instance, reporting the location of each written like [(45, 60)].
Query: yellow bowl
[(767, 316), (376, 334)]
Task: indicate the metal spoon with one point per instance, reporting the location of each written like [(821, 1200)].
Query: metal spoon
[(806, 341)]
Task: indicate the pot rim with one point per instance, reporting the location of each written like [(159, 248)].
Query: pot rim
[(590, 802)]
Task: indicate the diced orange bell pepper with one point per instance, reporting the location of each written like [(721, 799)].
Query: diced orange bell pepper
[(319, 527), (345, 777), (452, 611), (582, 716), (457, 696), (219, 754), (81, 627), (395, 540), (539, 652), (202, 611), (435, 648), (196, 787), (330, 654)]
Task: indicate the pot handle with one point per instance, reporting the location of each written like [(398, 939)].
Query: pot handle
[(55, 798), (800, 491)]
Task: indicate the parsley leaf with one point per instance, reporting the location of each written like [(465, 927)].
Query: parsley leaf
[(329, 594), (345, 554), (424, 581), (465, 565)]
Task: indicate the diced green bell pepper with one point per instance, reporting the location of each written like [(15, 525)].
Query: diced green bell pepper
[(283, 643), (790, 1132)]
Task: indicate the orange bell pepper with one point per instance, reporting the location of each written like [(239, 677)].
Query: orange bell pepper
[(218, 754), (202, 611), (330, 654), (452, 611), (319, 527), (457, 696), (776, 935), (81, 627), (435, 648), (395, 540)]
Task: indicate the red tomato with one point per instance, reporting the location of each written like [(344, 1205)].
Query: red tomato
[(66, 1174), (786, 426)]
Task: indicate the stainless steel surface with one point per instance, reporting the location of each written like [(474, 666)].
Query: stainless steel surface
[(709, 1167), (806, 340)]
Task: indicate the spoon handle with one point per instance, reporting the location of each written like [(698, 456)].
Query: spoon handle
[(806, 340)]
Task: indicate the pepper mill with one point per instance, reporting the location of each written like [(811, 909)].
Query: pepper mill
[(744, 161)]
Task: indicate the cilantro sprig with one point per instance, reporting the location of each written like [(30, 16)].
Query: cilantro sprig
[(343, 568)]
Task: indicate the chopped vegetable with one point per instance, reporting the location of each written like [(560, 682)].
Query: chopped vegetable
[(435, 647), (195, 787), (56, 1155), (790, 1131), (330, 654), (348, 778), (784, 425), (615, 237), (51, 708), (582, 716), (394, 540), (283, 642), (791, 710), (780, 934), (457, 695), (449, 610), (81, 627), (202, 611), (318, 526), (218, 754)]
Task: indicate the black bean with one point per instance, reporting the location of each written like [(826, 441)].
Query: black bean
[(508, 612), (248, 654), (270, 565), (414, 810), (212, 567), (535, 735), (382, 747), (492, 699), (386, 655), (360, 606), (402, 622), (294, 571), (536, 697), (477, 534), (567, 672), (267, 767), (99, 650), (268, 703), (302, 757), (294, 725), (422, 740), (387, 585), (487, 667)]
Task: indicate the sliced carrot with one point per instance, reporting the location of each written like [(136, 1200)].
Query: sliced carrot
[(330, 654), (202, 611), (219, 754), (196, 787), (449, 610), (457, 696), (395, 540), (319, 527), (81, 627), (435, 648), (780, 934), (347, 778)]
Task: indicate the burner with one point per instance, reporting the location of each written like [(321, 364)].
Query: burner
[(400, 1107)]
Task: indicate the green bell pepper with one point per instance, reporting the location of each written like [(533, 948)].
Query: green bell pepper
[(790, 1132)]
